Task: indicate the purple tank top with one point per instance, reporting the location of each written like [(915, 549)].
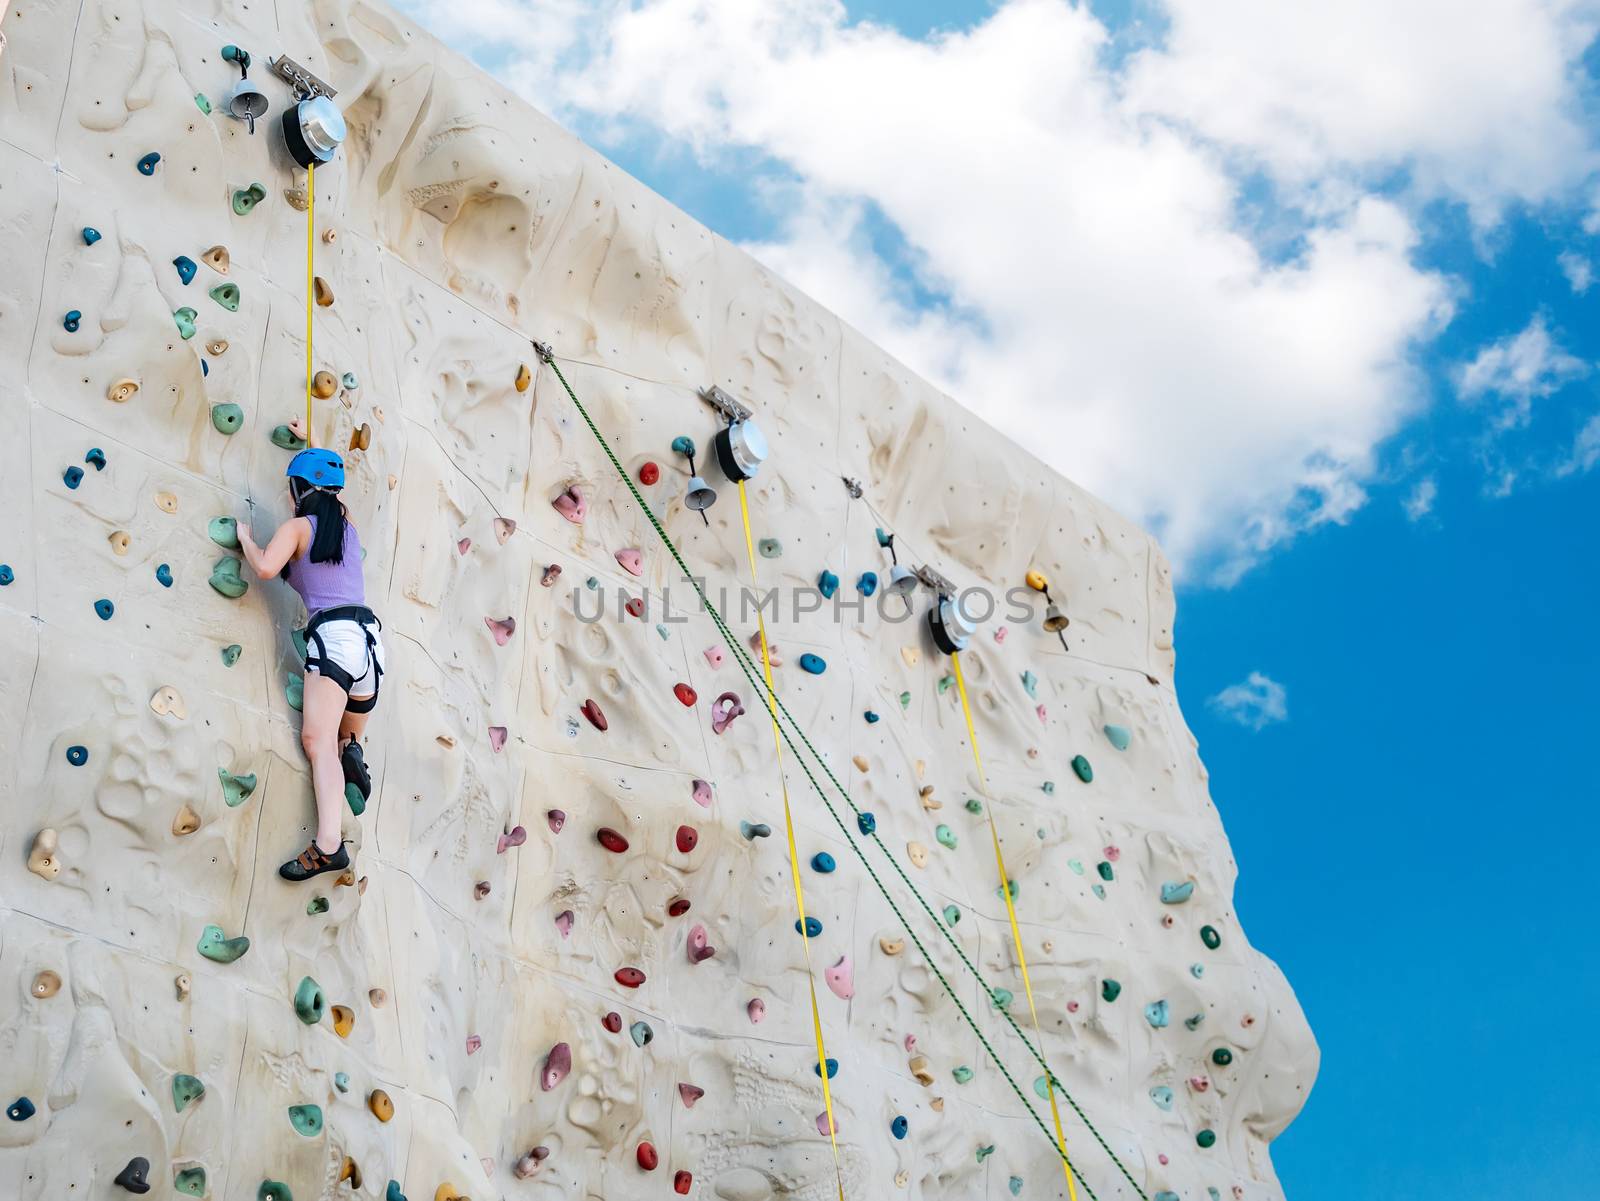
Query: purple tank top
[(329, 585)]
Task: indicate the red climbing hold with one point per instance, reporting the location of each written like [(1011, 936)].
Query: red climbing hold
[(556, 1066), (596, 718), (649, 474), (611, 840), (647, 1157), (557, 818), (687, 838), (635, 607), (682, 1182), (686, 695), (612, 1022), (628, 977), (689, 1094), (678, 907)]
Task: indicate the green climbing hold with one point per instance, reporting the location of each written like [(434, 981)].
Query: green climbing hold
[(985, 1151), (294, 690), (1001, 997), (225, 577), (962, 1074), (1076, 865), (1110, 989), (1193, 1020), (1081, 766), (1210, 937), (316, 905), (905, 700), (1015, 1185), (306, 1119), (770, 548), (1012, 887), (274, 1190), (227, 295), (945, 835), (1206, 1138), (309, 1003), (952, 915), (224, 531), (191, 1181), (285, 439), (219, 949), (353, 798), (186, 1089), (1104, 868), (298, 637), (246, 199), (946, 683), (341, 1081), (227, 418), (204, 105), (974, 805), (236, 789), (1099, 890), (1118, 736), (1049, 787), (231, 653), (185, 317), (1222, 1057)]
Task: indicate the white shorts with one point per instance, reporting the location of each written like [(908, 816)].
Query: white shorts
[(345, 642)]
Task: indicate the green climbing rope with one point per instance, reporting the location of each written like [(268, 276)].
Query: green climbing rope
[(747, 666)]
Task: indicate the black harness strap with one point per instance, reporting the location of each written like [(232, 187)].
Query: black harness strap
[(325, 666)]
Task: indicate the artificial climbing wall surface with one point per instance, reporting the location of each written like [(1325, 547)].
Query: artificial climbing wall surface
[(155, 778)]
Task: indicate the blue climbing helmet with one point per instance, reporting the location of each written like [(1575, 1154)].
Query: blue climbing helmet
[(318, 467)]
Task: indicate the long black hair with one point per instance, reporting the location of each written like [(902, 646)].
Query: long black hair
[(327, 546)]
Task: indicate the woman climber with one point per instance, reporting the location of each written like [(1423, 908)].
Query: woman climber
[(319, 552)]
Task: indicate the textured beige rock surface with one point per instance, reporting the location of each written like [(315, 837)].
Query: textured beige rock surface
[(463, 224)]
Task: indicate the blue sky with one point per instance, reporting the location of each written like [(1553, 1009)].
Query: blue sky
[(1384, 475)]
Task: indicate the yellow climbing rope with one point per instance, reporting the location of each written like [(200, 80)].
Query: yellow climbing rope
[(311, 297), (794, 855), (1011, 912)]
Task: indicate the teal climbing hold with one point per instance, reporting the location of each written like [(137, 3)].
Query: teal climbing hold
[(946, 683), (1177, 894), (952, 915), (71, 321), (219, 949), (225, 577), (316, 905), (1076, 865), (962, 1074), (104, 608), (1193, 1020), (1081, 766), (1156, 1013), (298, 637), (872, 718), (21, 1110), (813, 664), (770, 548), (7, 576), (1110, 989), (1163, 1097), (190, 1181), (309, 1003), (246, 199), (341, 1081), (884, 537), (349, 381), (1197, 970), (641, 1033), (1167, 1194), (822, 862), (827, 583), (813, 927), (164, 575), (1015, 1185), (754, 830), (1048, 787), (945, 836), (226, 418), (1030, 684), (1099, 890), (1104, 868), (393, 1193), (1001, 998), (1206, 1138), (1118, 736), (866, 823), (236, 789), (1012, 887), (186, 1090), (202, 103), (91, 235), (294, 691), (1222, 1057), (227, 295), (96, 458), (1210, 937), (186, 268), (224, 531), (77, 755), (867, 584), (286, 439), (985, 1151), (665, 633), (353, 798), (1041, 1085), (683, 445), (185, 317), (973, 805), (147, 164), (306, 1119), (274, 1190), (72, 476)]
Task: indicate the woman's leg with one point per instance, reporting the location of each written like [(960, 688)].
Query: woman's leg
[(352, 725), (321, 712)]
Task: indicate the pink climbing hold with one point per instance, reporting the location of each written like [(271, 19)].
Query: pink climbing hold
[(723, 710), (698, 947), (1199, 1083), (497, 738), (773, 656), (823, 1124), (687, 838), (1039, 709), (504, 527), (557, 818), (551, 575), (564, 921), (686, 696), (481, 889), (502, 630), (526, 1167), (463, 546), (713, 656), (556, 1066), (474, 1044), (701, 792), (1072, 1007), (513, 837), (628, 977), (597, 719), (689, 1094), (571, 505), (841, 978), (910, 1043), (756, 1010), (1000, 634), (632, 561), (1112, 853)]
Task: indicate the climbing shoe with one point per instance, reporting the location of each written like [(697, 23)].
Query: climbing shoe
[(312, 862), (355, 768)]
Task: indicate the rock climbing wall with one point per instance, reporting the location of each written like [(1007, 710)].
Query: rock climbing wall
[(564, 963)]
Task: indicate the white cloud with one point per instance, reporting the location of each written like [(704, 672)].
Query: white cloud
[(1516, 371), (1419, 501), (1114, 303), (1585, 449), (1578, 270), (1256, 703)]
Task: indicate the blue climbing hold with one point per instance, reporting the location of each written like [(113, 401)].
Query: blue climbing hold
[(1119, 736), (393, 1193), (900, 1127), (683, 445), (1015, 1185), (164, 576), (813, 927), (91, 235), (872, 718), (1197, 970), (20, 1110), (1177, 894), (1156, 1014), (814, 664), (822, 862), (97, 457), (827, 583), (72, 476), (186, 268), (1167, 1194), (866, 822), (833, 1067), (71, 320), (205, 370), (105, 609), (755, 830), (1048, 787), (641, 1033), (1030, 684), (868, 583), (1162, 1096), (341, 1081), (147, 165), (77, 755), (6, 574)]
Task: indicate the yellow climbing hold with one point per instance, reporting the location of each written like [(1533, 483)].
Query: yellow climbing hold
[(166, 502), (322, 290), (382, 1108), (187, 821), (344, 1020), (168, 703), (524, 377), (119, 542), (42, 860), (122, 390), (324, 384)]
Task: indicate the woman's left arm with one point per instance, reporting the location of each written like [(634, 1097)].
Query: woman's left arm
[(269, 560)]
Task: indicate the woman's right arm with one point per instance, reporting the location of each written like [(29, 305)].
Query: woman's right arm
[(286, 544)]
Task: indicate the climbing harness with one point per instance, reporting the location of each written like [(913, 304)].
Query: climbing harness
[(322, 663), (746, 666), (1011, 914)]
